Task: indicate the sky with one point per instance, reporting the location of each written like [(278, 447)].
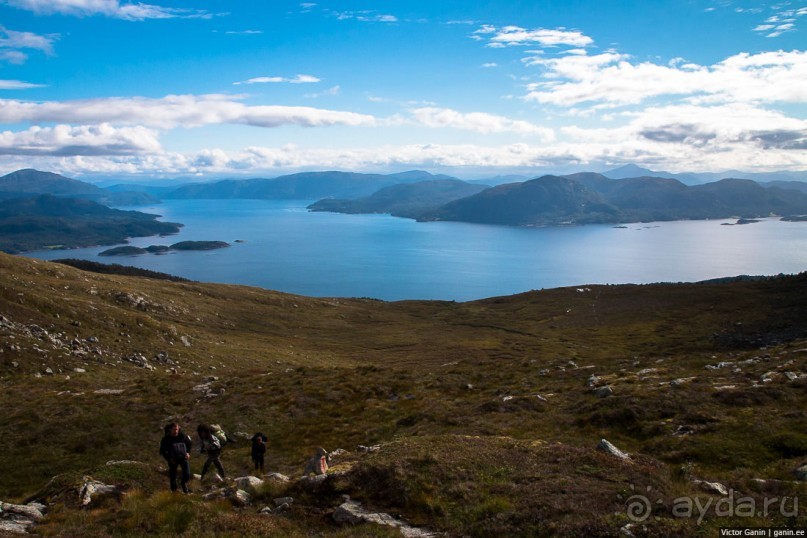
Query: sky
[(258, 88)]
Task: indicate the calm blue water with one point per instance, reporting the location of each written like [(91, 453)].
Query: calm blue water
[(287, 248)]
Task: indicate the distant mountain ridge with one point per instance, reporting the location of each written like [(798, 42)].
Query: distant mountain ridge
[(543, 201), (302, 186), (403, 200), (591, 198), (30, 182), (582, 198), (697, 178)]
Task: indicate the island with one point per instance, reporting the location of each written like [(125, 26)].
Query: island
[(128, 250)]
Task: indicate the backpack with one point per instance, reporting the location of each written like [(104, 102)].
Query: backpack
[(220, 434)]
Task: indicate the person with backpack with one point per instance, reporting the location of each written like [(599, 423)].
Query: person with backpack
[(211, 445), (258, 450), (175, 447)]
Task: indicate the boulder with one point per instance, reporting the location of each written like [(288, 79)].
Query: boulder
[(608, 448), (351, 513), (312, 483), (603, 392), (712, 487), (92, 490), (277, 477), (248, 482), (19, 518), (239, 497)]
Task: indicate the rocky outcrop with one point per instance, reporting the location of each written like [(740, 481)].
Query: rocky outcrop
[(92, 490), (610, 449), (351, 513), (19, 518)]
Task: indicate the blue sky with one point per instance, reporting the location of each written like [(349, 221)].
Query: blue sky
[(112, 89)]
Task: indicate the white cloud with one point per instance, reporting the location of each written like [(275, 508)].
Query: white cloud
[(12, 43), (783, 21), (479, 122), (17, 85), (669, 138), (26, 40), (334, 90), (244, 32), (13, 57), (515, 35), (611, 78), (93, 140), (365, 16), (298, 79), (174, 111), (109, 8), (490, 64)]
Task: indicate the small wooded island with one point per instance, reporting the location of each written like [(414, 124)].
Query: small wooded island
[(128, 250)]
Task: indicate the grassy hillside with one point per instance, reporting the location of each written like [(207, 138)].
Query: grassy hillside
[(486, 411)]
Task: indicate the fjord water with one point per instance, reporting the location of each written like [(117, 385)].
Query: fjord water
[(287, 248)]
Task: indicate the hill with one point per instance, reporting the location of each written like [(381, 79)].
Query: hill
[(403, 200), (28, 182), (47, 221), (477, 418), (544, 201), (593, 198), (302, 186)]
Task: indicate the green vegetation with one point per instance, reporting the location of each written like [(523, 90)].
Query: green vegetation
[(43, 221), (582, 198), (485, 411), (128, 250)]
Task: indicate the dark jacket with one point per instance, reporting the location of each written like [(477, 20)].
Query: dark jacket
[(173, 449), (258, 448)]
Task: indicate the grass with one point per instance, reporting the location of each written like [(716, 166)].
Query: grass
[(450, 390)]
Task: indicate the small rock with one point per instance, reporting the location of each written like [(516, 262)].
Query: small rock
[(608, 448), (239, 497), (604, 392), (312, 483), (712, 487), (277, 477), (92, 489), (801, 473), (283, 500), (247, 482)]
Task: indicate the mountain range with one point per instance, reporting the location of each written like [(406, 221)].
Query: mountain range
[(302, 186), (583, 198), (403, 200), (42, 209), (29, 182)]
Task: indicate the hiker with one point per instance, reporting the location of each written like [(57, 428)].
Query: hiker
[(211, 445), (318, 464), (175, 447), (258, 450)]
